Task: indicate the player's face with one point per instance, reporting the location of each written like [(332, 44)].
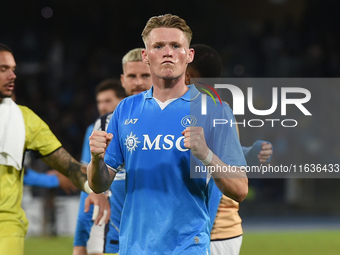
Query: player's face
[(107, 101), (167, 52), (7, 75), (136, 77)]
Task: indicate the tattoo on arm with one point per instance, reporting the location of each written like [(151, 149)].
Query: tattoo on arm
[(62, 161)]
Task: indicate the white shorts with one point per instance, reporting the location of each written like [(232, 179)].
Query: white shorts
[(231, 246)]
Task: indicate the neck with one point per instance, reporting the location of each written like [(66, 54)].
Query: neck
[(3, 98), (165, 89)]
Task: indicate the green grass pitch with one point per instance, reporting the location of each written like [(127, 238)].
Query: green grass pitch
[(292, 243), (270, 243)]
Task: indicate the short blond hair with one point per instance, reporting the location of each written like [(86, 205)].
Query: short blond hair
[(132, 56), (169, 21)]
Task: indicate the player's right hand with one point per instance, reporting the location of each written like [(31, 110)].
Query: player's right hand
[(99, 140)]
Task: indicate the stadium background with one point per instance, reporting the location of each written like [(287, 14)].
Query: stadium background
[(64, 49)]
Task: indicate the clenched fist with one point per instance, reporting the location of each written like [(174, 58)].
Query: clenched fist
[(195, 140), (99, 140)]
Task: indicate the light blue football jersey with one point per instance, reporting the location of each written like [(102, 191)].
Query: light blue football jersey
[(116, 199), (166, 209)]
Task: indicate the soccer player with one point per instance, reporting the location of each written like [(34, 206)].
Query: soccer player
[(20, 130), (108, 94), (136, 78), (226, 233), (165, 209)]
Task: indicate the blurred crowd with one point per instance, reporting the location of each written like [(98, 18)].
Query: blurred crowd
[(58, 70)]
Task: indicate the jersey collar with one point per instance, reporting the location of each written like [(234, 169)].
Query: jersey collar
[(148, 94), (190, 95)]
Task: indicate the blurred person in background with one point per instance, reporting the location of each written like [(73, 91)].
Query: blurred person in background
[(88, 238), (51, 179), (20, 130), (136, 77), (226, 233)]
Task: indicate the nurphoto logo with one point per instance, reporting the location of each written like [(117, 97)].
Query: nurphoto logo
[(242, 101)]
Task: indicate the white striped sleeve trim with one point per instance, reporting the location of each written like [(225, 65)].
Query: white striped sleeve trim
[(113, 169)]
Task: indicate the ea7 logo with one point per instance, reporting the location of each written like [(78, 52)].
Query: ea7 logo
[(130, 121)]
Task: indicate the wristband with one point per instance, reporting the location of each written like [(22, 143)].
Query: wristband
[(87, 188), (208, 159)]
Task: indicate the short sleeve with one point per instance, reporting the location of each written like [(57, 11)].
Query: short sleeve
[(226, 143), (39, 137)]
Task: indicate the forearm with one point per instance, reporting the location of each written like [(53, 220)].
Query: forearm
[(99, 176), (233, 182), (62, 161), (79, 250)]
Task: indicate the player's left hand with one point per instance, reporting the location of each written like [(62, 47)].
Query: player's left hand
[(266, 152), (101, 210), (195, 141)]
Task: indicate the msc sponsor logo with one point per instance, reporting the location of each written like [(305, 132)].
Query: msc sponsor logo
[(160, 142), (166, 142), (131, 142)]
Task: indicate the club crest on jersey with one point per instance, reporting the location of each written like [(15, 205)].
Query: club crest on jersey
[(188, 121), (131, 142)]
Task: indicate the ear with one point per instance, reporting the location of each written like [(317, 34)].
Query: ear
[(145, 57), (191, 55), (122, 80)]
